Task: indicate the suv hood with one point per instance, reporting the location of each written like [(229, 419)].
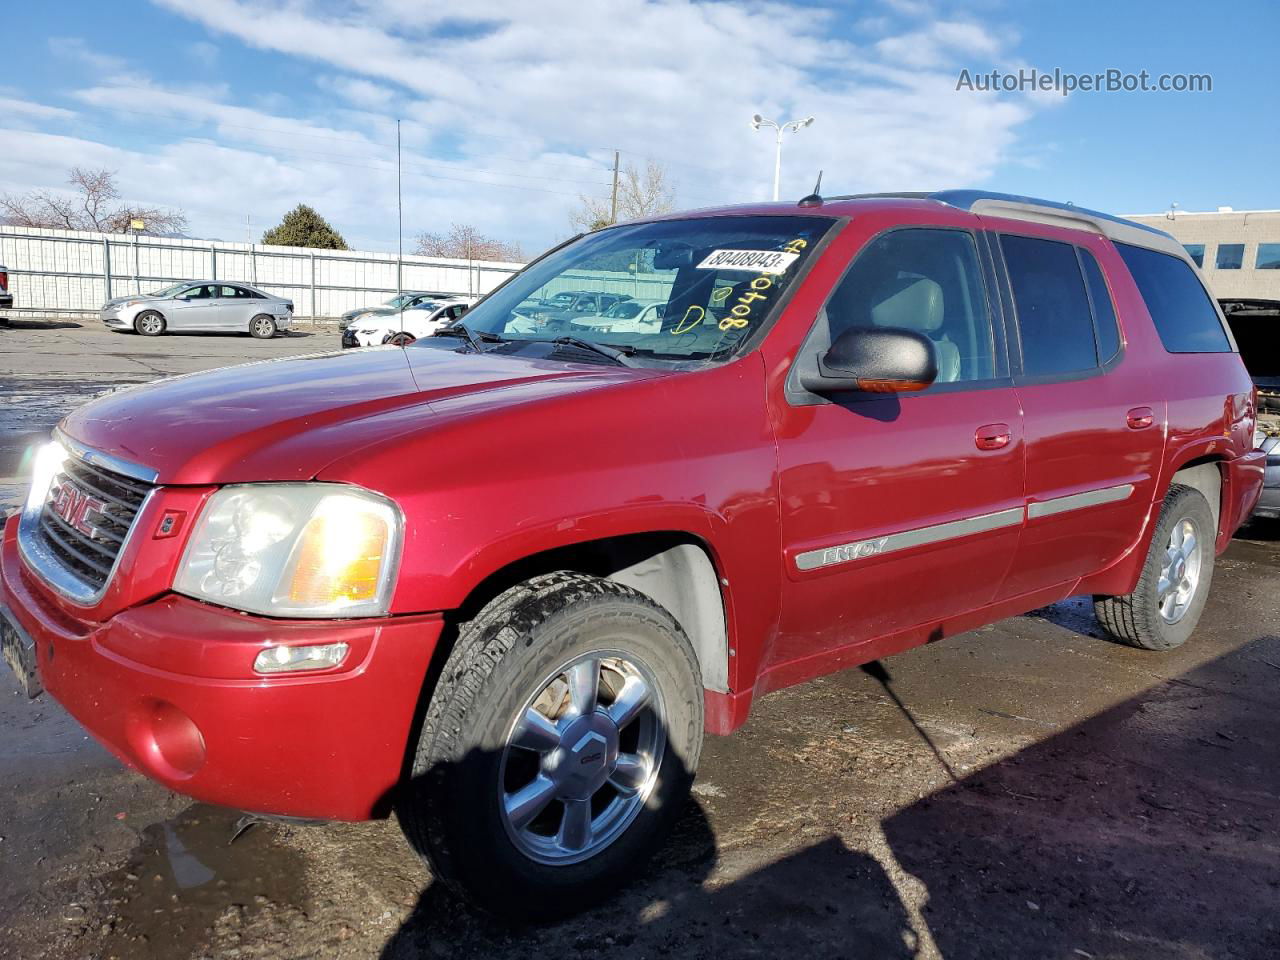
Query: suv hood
[(285, 420)]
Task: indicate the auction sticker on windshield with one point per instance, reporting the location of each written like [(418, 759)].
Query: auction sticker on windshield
[(759, 261)]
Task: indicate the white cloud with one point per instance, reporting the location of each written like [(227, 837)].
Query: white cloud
[(11, 108), (508, 119), (204, 51), (940, 44), (358, 92)]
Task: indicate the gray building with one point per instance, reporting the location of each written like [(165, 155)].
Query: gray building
[(1237, 250)]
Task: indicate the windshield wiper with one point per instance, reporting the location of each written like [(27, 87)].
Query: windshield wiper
[(618, 355), (459, 329)]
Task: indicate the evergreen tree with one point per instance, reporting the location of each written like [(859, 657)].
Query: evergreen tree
[(303, 227)]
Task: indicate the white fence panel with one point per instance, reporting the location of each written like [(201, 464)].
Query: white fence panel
[(57, 272)]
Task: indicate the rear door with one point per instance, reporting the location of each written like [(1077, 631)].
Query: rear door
[(1093, 418), (900, 510), (235, 307)]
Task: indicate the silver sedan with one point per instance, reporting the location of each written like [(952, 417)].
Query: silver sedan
[(200, 305)]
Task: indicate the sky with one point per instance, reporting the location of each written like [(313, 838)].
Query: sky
[(236, 111)]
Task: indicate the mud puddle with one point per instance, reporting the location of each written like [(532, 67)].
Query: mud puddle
[(199, 885)]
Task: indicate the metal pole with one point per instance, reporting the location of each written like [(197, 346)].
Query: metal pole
[(613, 202), (313, 286), (137, 282), (213, 263), (106, 264), (399, 224), (777, 163)]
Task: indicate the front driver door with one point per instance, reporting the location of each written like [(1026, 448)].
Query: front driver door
[(192, 309), (900, 510)]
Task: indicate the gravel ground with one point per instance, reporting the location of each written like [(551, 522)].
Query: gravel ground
[(1024, 790)]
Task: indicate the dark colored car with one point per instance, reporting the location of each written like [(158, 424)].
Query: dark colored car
[(554, 311), (1256, 326), (503, 582)]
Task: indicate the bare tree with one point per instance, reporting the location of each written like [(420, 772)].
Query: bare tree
[(93, 206), (640, 194), (465, 242)]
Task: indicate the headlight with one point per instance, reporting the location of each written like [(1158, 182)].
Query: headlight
[(294, 550), (46, 465)]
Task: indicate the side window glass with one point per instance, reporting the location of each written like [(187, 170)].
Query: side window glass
[(923, 279), (1104, 311), (1178, 303), (1054, 321)]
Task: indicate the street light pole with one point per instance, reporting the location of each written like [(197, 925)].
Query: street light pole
[(791, 125)]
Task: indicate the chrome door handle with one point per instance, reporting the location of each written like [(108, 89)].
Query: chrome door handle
[(992, 436), (1140, 417)]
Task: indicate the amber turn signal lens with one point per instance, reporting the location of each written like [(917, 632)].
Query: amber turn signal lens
[(339, 559)]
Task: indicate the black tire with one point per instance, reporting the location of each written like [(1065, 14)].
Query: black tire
[(401, 339), (451, 810), (149, 323), (1136, 619), (262, 327)]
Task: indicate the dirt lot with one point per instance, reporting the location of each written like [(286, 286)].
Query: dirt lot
[(1025, 790)]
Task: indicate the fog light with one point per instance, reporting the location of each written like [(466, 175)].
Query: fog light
[(284, 659)]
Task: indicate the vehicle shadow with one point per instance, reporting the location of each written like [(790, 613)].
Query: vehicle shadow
[(1147, 831), (1265, 529), (821, 900), (35, 323)]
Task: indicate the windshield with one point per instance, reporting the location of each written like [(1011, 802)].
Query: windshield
[(400, 301), (715, 281), (169, 291)]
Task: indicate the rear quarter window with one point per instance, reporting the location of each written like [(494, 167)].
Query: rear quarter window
[(1179, 306)]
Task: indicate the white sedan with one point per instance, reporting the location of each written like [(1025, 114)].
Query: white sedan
[(626, 316), (401, 329)]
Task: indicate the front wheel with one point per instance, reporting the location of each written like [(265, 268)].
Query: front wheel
[(558, 748), (149, 323), (401, 339), (1165, 607), (262, 327)]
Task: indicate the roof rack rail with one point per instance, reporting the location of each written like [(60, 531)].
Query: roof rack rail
[(968, 199), (1015, 207)]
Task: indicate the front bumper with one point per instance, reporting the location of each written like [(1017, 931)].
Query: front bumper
[(115, 318), (168, 687), (352, 337)]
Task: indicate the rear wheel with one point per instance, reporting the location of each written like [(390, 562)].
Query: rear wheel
[(1165, 607), (263, 327), (149, 323), (558, 748)]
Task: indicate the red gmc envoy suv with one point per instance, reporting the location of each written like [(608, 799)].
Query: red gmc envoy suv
[(502, 580)]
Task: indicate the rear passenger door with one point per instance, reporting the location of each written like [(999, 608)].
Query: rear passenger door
[(1093, 418)]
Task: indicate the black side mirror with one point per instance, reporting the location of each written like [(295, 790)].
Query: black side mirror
[(875, 360)]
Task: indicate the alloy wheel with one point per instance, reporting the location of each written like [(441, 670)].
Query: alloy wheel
[(1179, 570), (581, 758)]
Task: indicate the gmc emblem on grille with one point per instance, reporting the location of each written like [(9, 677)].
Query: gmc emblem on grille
[(74, 506)]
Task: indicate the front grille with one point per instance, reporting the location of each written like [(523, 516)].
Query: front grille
[(87, 516)]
